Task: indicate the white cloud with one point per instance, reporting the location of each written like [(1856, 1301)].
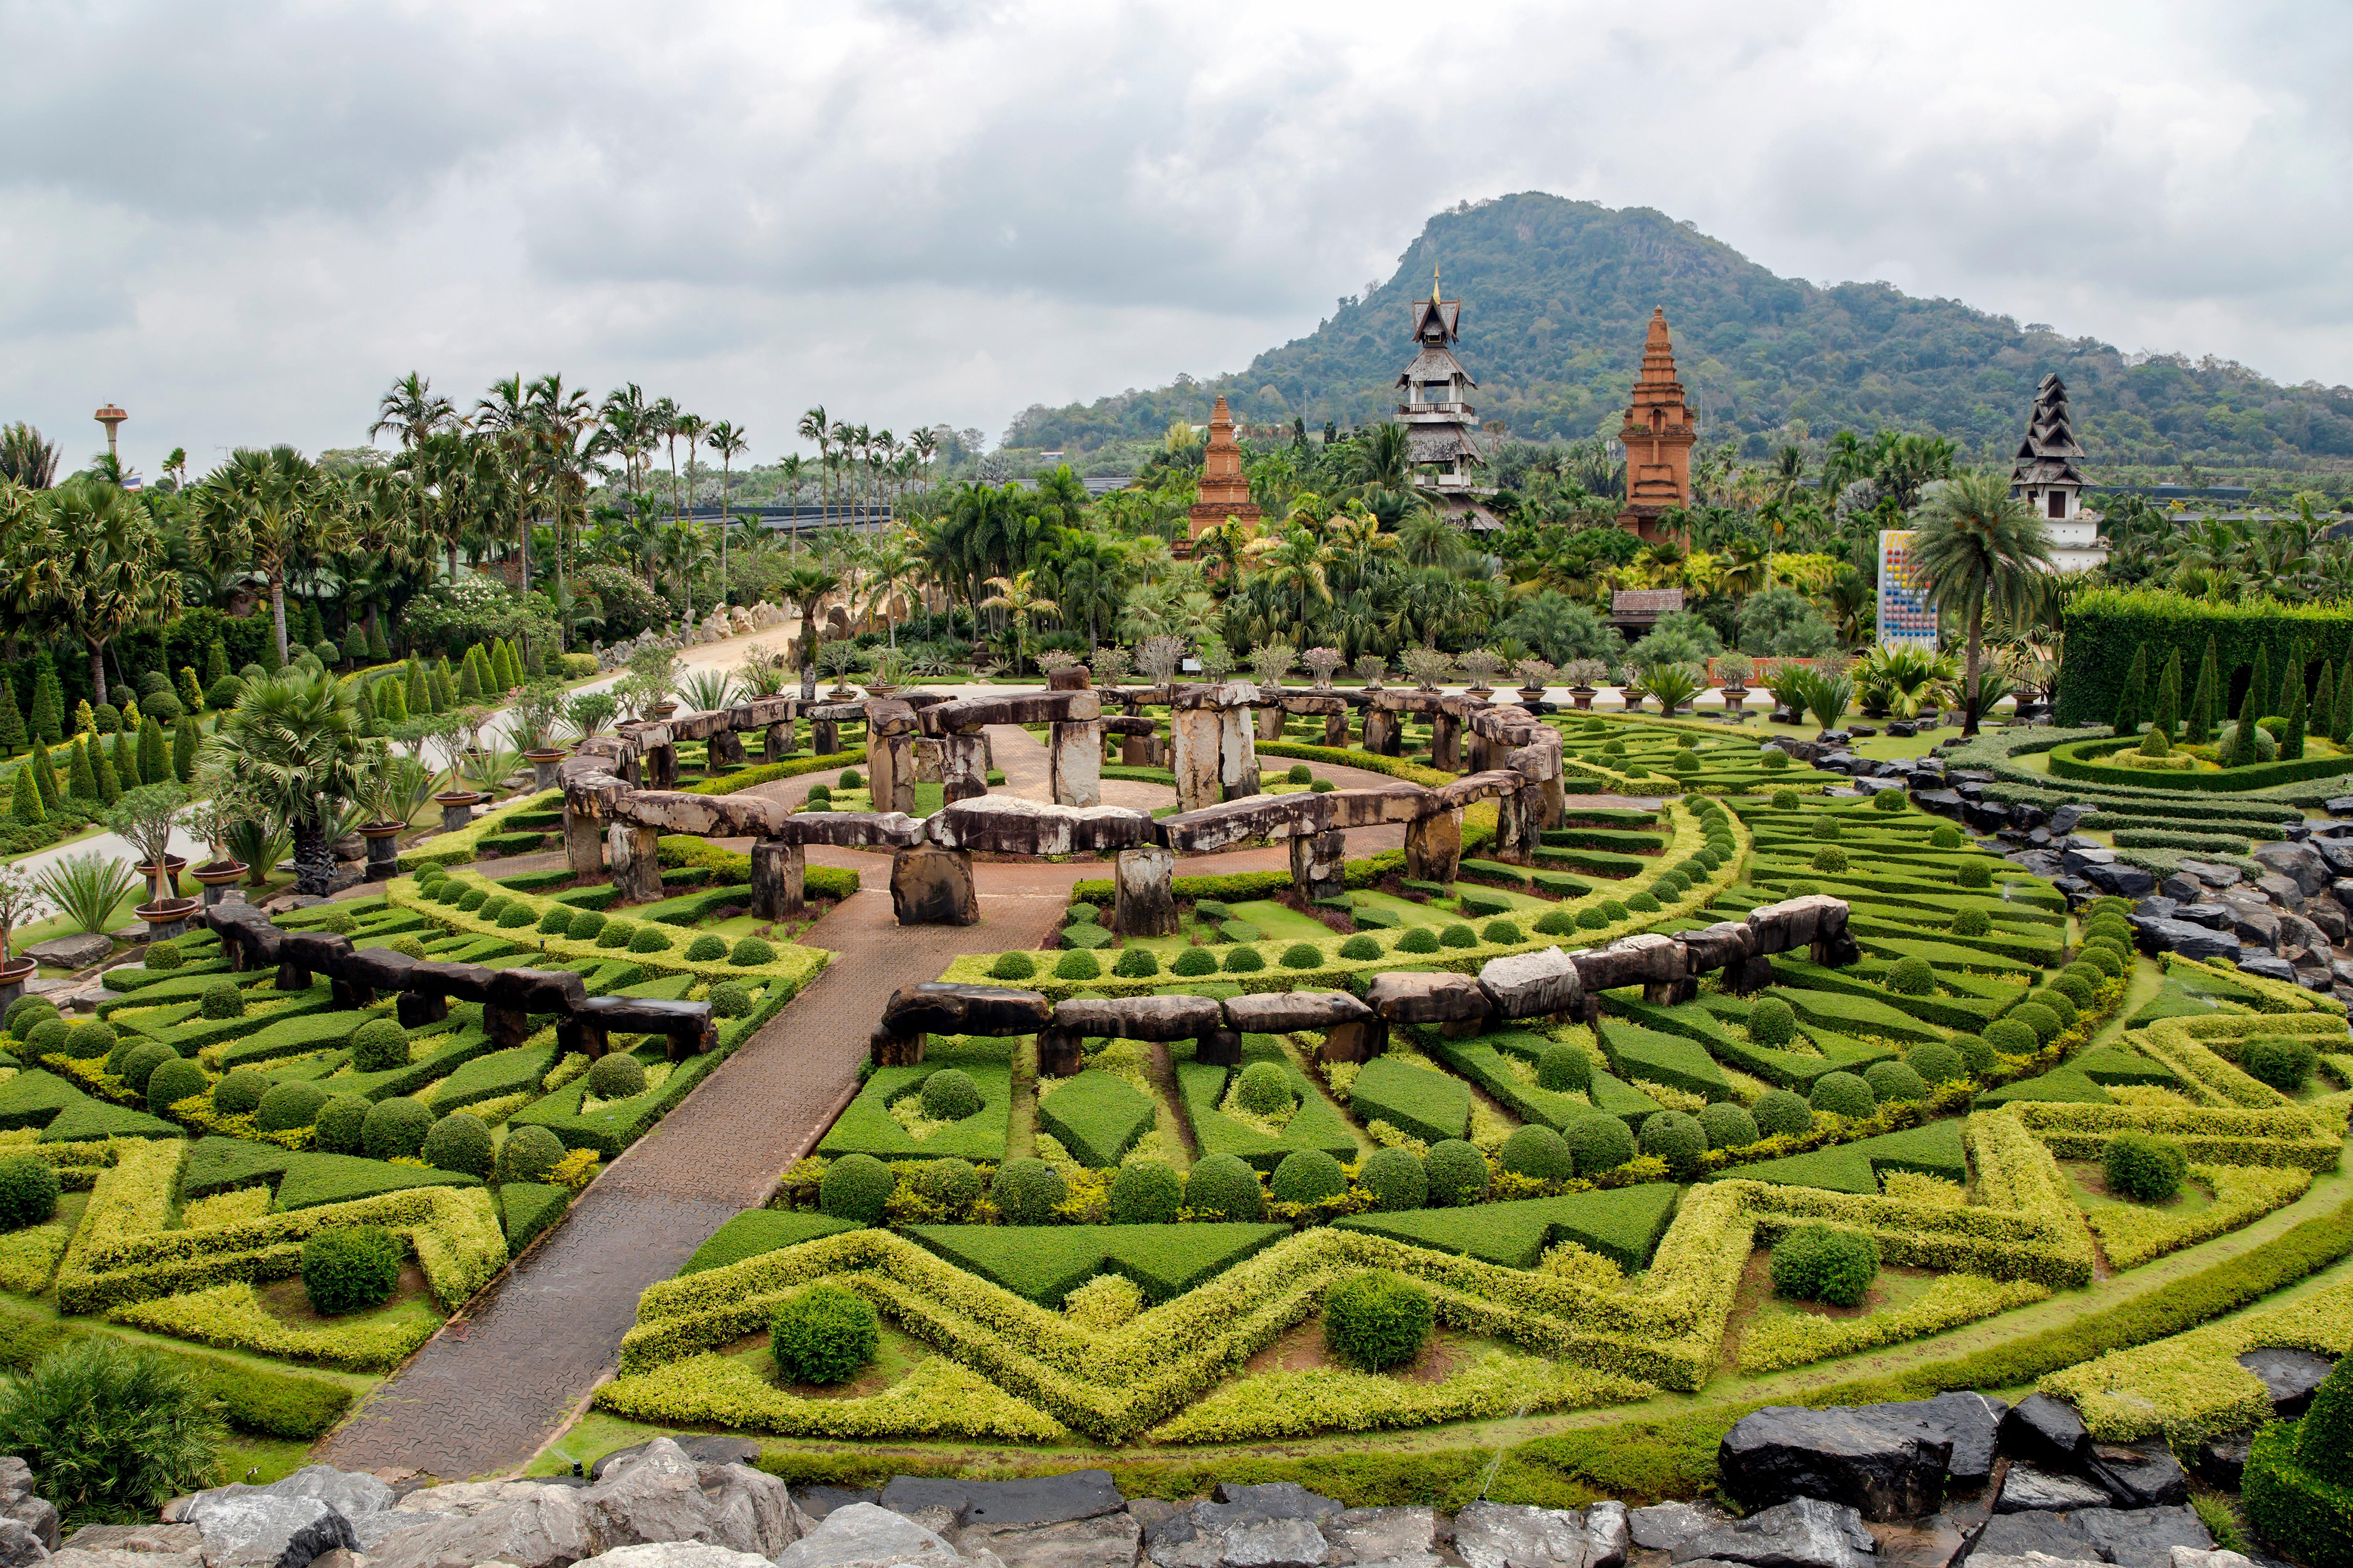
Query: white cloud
[(241, 222)]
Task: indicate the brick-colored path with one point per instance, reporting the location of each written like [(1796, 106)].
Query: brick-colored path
[(485, 1394)]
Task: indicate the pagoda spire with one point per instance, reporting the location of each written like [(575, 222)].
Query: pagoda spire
[(1223, 492), (2045, 476), (1658, 435)]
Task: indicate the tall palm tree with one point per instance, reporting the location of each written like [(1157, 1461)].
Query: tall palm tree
[(293, 745), (1975, 542), (813, 428), (805, 585), (1294, 564), (1018, 596), (690, 428), (564, 450), (281, 510), (729, 443), (413, 411), (27, 457), (105, 571), (25, 544), (890, 568)]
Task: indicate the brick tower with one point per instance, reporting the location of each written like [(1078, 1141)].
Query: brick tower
[(1223, 491), (1658, 436)]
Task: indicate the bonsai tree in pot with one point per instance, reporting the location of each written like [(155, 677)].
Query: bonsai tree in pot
[(442, 733), (1584, 676), (1735, 668), (653, 670), (1109, 665), (1321, 662), (1369, 669), (1160, 658), (1481, 665), (533, 718), (1270, 662), (18, 904), (591, 711), (143, 819), (838, 660)]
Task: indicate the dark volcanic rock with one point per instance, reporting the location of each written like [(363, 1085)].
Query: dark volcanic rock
[(2289, 1376), (2143, 1537), (1971, 1423), (2026, 1489), (2053, 1534), (2222, 1460), (1044, 1500), (2044, 1432), (1805, 1532), (2138, 1475), (1785, 1450)]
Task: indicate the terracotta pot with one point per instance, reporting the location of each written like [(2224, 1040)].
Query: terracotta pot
[(170, 911), (171, 869), (458, 797), (548, 754), (1481, 691), (1582, 696), (373, 830), (16, 971), (662, 710), (1530, 695), (219, 873)]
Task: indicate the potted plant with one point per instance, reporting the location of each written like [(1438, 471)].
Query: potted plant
[(1320, 663), (890, 671), (1160, 658), (1369, 669), (1217, 661), (1536, 676), (1109, 667), (1270, 662), (381, 796), (1631, 683), (1674, 684), (1582, 674), (18, 904), (1426, 665), (591, 711), (1735, 668), (762, 673), (143, 819), (1481, 665), (838, 660), (654, 670), (530, 724), (444, 733)]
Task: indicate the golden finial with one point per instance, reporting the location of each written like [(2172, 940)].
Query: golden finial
[(1433, 284)]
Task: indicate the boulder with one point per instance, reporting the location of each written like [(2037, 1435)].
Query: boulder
[(2116, 878), (1176, 1018), (1971, 1423), (2026, 1489), (2289, 1376), (2212, 916), (2299, 862), (1043, 1500), (1514, 1535), (2191, 1557), (1262, 1543), (255, 1529), (2222, 1460), (931, 885), (1402, 998), (1399, 1537), (2036, 1534), (944, 1007), (2138, 1475), (678, 1555), (1276, 1499), (1667, 1525), (1805, 1532), (1785, 1450), (1608, 1536), (2282, 890), (78, 951), (2195, 941), (2045, 1432), (1982, 1558), (2143, 1537), (1288, 1011), (1533, 984), (150, 1542), (1104, 1540), (864, 1535), (2269, 967)]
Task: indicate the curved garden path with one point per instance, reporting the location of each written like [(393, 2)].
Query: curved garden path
[(494, 1384)]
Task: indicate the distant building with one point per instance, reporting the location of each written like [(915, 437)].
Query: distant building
[(2047, 479), (1657, 435), (1450, 457), (1223, 491)]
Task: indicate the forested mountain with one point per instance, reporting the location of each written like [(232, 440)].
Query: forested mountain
[(1556, 295)]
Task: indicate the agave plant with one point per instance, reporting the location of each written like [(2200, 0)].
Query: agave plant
[(86, 889), (706, 690), (487, 764), (1671, 683)]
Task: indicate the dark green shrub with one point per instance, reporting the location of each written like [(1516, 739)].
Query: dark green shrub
[(341, 1126), (1676, 1138), (1417, 939), (1785, 800), (2062, 1007), (1912, 977), (1376, 1320), (27, 1013), (1593, 919), (1772, 1023), (1827, 828), (1817, 1262), (288, 1106), (1727, 1126), (750, 953), (2143, 1166), (1554, 923), (1244, 961), (1773, 760), (1027, 1191), (2297, 1494), (953, 1184), (1146, 1193), (1504, 932), (459, 1142), (1895, 1081), (470, 898), (2078, 991), (1136, 963), (163, 955), (1641, 903), (379, 1045), (2011, 1036), (116, 1431), (824, 1335), (1264, 1089), (48, 1036), (1195, 961), (556, 921), (1538, 1152), (652, 939), (1076, 964), (1598, 1143), (2285, 1064), (617, 933), (1308, 1176), (1971, 923), (2035, 1016), (1223, 1188), (516, 916), (950, 1095), (1973, 874), (89, 1042), (239, 1094), (587, 925), (1889, 800), (1395, 1178), (708, 948), (1976, 1053), (1013, 966), (28, 1191), (729, 999), (1457, 1173), (2324, 1442), (351, 1269), (395, 1129), (1843, 1094), (617, 1075), (142, 1059), (1300, 955), (1829, 858), (850, 779), (1947, 836), (1458, 936), (1936, 1062), (1299, 774), (856, 1187), (529, 1152), (1082, 915), (1565, 1069), (1782, 1113)]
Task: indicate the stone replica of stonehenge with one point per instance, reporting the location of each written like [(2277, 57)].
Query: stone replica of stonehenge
[(1547, 983), (508, 996), (620, 794)]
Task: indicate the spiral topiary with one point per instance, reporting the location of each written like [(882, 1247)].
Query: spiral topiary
[(1027, 1191), (2143, 1166), (1539, 1153), (1817, 1262), (379, 1045), (1598, 1143), (1395, 1179), (1457, 1173), (1727, 1126), (1772, 1023), (617, 1075), (1843, 1094), (1565, 1069), (288, 1106), (395, 1129), (459, 1141), (1895, 1081), (856, 1187), (529, 1152), (341, 1125), (823, 1335), (1147, 1192), (239, 1094), (1264, 1089), (950, 1095), (1375, 1319), (1677, 1139), (1308, 1176), (1782, 1113), (1222, 1187)]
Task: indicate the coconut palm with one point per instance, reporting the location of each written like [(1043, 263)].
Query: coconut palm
[(729, 443), (1976, 543), (105, 572), (294, 744), (280, 510), (1018, 596), (412, 411)]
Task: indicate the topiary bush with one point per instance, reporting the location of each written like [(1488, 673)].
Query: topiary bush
[(516, 916), (1782, 1113), (1223, 1188), (1299, 774), (1843, 1094), (351, 1269), (1971, 923), (2143, 1166), (556, 921), (1556, 922), (1947, 837), (459, 1142), (1195, 961), (2285, 1064), (1565, 1069), (395, 1129), (617, 934), (824, 1335), (29, 1189), (729, 999), (1538, 1152), (1013, 966), (1973, 874), (89, 1042), (708, 948), (341, 1126), (856, 1187), (1264, 1089), (1889, 801), (1360, 949), (1458, 936), (1300, 955), (2078, 990), (1457, 1173), (1936, 1062), (850, 779), (163, 955), (1308, 1176), (1728, 1126), (2298, 1482), (288, 1106), (529, 1152), (1676, 1138), (2011, 1037), (27, 1014), (1895, 1081), (1772, 1023), (953, 1184), (1817, 1262), (1976, 1054), (1028, 1191), (2035, 1016), (142, 1060), (750, 952), (239, 1094), (1830, 857), (1417, 939), (950, 1095), (1136, 963), (1912, 977), (379, 1045), (2062, 1005), (1598, 1143), (587, 925), (1078, 964), (650, 938), (1375, 1319), (1828, 828), (617, 1075), (1395, 1179), (1149, 1192)]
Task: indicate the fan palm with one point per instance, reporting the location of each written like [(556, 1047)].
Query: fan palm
[(1975, 542), (105, 571), (294, 745), (805, 585), (279, 507)]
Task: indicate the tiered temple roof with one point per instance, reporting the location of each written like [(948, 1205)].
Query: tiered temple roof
[(1657, 435), (2047, 455), (1223, 492), (1441, 427)]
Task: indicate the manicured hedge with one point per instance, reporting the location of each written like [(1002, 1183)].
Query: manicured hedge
[(1316, 1125), (1623, 1225), (1097, 1116), (1430, 1106), (528, 1209), (2072, 761), (2108, 628), (755, 1231), (1047, 1262), (255, 1399), (1638, 1053), (867, 1126), (1931, 1149), (311, 1179)]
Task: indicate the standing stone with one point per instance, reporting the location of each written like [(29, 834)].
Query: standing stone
[(1074, 762), (1319, 863), (636, 867), (777, 741), (1194, 731), (1059, 1053), (1380, 732), (777, 873), (1145, 902), (889, 770), (1445, 741), (932, 886), (662, 767), (1433, 847), (1135, 751), (583, 845), (1335, 730), (726, 749), (825, 736), (1270, 722), (931, 761), (1517, 813), (963, 766), (1237, 753)]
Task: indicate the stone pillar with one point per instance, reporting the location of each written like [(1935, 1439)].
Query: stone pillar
[(1433, 847), (1236, 754), (825, 737), (1318, 864), (216, 892), (1197, 761), (350, 995), (507, 1027), (1143, 902), (777, 873), (889, 770), (543, 771), (579, 1034), (1477, 749), (932, 886), (930, 760), (777, 741), (383, 857), (637, 868), (1135, 751), (889, 1049), (1380, 733), (1270, 722), (457, 815), (726, 749), (416, 1009), (293, 976), (1336, 729), (583, 845), (1516, 814), (1359, 1040), (963, 766), (1060, 1054), (1445, 741), (1555, 803), (1074, 762), (662, 767), (1218, 1048)]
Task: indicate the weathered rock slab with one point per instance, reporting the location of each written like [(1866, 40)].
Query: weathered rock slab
[(1403, 1537), (2027, 1489), (1785, 1450), (1514, 1535), (866, 1535), (2289, 1376), (1666, 1526), (1042, 1500), (1106, 1541), (1804, 1533)]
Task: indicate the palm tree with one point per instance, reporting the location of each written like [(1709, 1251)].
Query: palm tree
[(280, 508), (1294, 564), (564, 450), (27, 457), (813, 428), (730, 444), (293, 745), (1975, 541), (1384, 458), (412, 411), (1018, 596), (104, 572), (889, 568), (805, 585)]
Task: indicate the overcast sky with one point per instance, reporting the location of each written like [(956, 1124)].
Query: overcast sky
[(241, 221)]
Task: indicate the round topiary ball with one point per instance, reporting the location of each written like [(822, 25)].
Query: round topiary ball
[(2035, 1016), (652, 939), (1539, 1153), (1136, 963), (142, 1059), (2143, 1166), (459, 1142), (1078, 964), (707, 948), (953, 1184), (1375, 1319), (1458, 936), (1223, 1188), (1895, 1081), (342, 1124), (1301, 956), (856, 1187), (1976, 1054), (288, 1106), (1973, 874), (1558, 922), (1503, 933), (1830, 858), (1147, 1192), (1843, 1094), (1360, 949), (172, 1083), (27, 1014), (616, 934), (1817, 1262), (1889, 801), (1195, 961), (1028, 1191), (950, 1095), (2011, 1037), (1782, 1113), (617, 1075), (1565, 1069), (1457, 1173), (2285, 1064), (1912, 977), (1013, 966), (221, 999), (1417, 939), (1395, 1179), (1299, 774), (379, 1045), (1676, 1138), (1828, 828), (1727, 1126), (1971, 923), (587, 925), (1772, 1023), (28, 1191), (1308, 1176), (1936, 1062), (90, 1042), (395, 1129), (163, 955), (556, 920), (1264, 1090), (239, 1094), (351, 1269), (2062, 1005), (2079, 991), (1598, 1143), (529, 1152), (750, 953), (824, 1335), (1947, 837)]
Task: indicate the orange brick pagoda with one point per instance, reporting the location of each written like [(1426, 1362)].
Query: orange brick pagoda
[(1223, 492), (1658, 436)]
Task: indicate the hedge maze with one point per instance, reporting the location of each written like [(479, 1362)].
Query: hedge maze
[(1098, 1250)]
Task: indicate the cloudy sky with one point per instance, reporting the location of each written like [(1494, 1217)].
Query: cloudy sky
[(241, 221)]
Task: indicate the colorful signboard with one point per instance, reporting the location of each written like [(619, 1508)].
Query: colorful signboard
[(1906, 619)]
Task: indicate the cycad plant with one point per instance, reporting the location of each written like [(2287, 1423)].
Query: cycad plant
[(114, 1431), (294, 745), (86, 889), (1674, 684), (1825, 695), (708, 690)]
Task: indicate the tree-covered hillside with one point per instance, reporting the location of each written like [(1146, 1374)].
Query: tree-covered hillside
[(1555, 297)]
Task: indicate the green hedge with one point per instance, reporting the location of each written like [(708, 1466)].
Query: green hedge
[(768, 773), (1931, 1149), (1047, 1262), (1430, 1106), (2070, 761), (867, 1126), (2106, 627), (2300, 1514), (314, 1179), (255, 1398), (528, 1209), (1097, 1116), (1316, 1125), (755, 1231), (1635, 1052), (1623, 1225)]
